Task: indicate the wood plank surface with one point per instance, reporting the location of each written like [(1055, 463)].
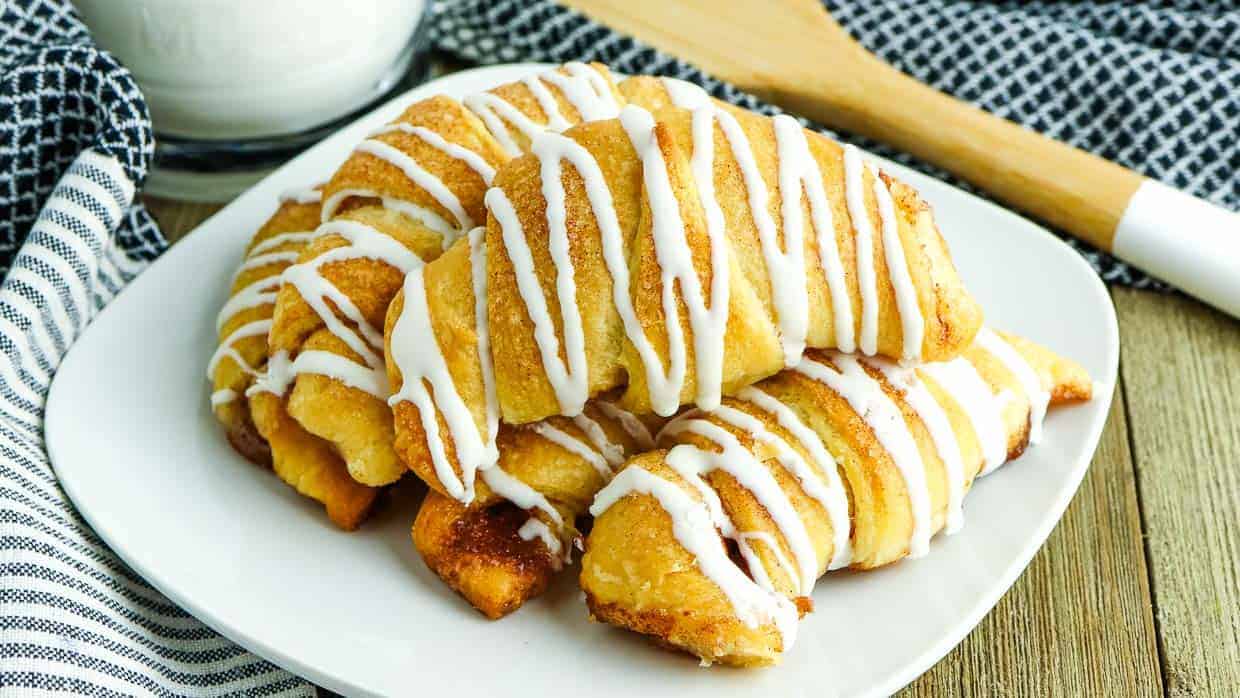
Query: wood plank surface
[(1181, 374), (1078, 622), (176, 218)]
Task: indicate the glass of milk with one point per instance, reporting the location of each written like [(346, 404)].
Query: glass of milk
[(236, 87)]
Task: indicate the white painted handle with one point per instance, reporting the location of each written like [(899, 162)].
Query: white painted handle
[(1185, 241)]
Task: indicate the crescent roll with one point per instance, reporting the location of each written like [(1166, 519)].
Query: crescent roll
[(713, 544), (316, 369), (678, 256)]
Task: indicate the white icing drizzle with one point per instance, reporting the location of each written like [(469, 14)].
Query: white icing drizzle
[(414, 212), (546, 100), (281, 372), (585, 88), (790, 459), (573, 445), (520, 494), (275, 241), (798, 172), (693, 464), (798, 169), (363, 242), (223, 396), (854, 169), (628, 421), (263, 291), (753, 562), (478, 277), (257, 328), (304, 195), (568, 378), (266, 259), (537, 528), (611, 451), (419, 176), (259, 293), (826, 486), (434, 186), (276, 377), (709, 338), (865, 395), (1039, 398), (475, 161), (525, 497), (496, 114), (416, 352), (935, 419), (961, 380), (911, 323), (785, 267), (675, 259), (695, 530), (685, 94)]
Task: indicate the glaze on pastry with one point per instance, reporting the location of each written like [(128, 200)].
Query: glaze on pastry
[(303, 350), (660, 254), (713, 544)]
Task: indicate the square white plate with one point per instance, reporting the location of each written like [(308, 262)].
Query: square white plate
[(137, 449)]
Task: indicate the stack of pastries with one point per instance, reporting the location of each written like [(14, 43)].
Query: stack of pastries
[(717, 352)]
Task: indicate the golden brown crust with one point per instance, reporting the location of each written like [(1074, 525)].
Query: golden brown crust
[(480, 555), (445, 117), (357, 423), (311, 465), (259, 427), (518, 95), (477, 549), (234, 414), (637, 575), (245, 439), (752, 347), (321, 424)]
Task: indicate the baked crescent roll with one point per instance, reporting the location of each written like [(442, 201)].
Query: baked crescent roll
[(497, 553), (680, 256), (316, 368), (713, 546), (257, 425)]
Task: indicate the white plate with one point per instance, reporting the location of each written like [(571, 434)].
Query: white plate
[(136, 448)]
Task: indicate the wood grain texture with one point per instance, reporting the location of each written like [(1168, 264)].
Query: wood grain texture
[(1078, 621), (779, 49), (1181, 374), (176, 218)]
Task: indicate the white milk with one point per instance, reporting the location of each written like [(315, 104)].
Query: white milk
[(239, 69)]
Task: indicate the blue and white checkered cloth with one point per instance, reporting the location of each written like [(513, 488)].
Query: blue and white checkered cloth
[(75, 142), (1150, 85)]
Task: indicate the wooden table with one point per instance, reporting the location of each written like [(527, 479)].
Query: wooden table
[(1137, 592)]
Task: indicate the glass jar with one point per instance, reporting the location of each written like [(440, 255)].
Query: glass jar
[(236, 87)]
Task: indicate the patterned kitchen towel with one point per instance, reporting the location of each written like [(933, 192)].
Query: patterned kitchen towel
[(1150, 85), (75, 142)]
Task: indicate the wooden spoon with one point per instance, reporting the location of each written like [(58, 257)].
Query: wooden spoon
[(793, 54)]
